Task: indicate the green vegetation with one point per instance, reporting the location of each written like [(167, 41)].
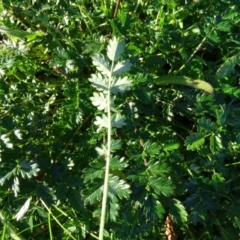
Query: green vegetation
[(119, 120)]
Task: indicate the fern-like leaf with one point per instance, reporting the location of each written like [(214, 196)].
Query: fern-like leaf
[(195, 141), (162, 186), (207, 125), (177, 211), (227, 67)]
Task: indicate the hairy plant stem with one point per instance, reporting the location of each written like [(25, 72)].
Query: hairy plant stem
[(108, 158)]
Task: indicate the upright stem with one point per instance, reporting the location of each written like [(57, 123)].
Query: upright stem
[(108, 158)]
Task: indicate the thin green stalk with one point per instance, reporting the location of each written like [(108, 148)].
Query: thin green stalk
[(194, 52), (108, 159), (49, 226), (10, 228), (64, 229), (4, 231)]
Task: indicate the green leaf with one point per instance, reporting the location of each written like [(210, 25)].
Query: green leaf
[(75, 200), (21, 34), (216, 143), (118, 164), (23, 209), (101, 64), (180, 80), (228, 66), (99, 82), (118, 121), (99, 100), (93, 193), (115, 49), (195, 141), (158, 168), (161, 186), (151, 148), (28, 169), (101, 122), (95, 170), (121, 67), (177, 211), (119, 187), (120, 85), (102, 151), (207, 124), (159, 210), (61, 192), (170, 146), (115, 145)]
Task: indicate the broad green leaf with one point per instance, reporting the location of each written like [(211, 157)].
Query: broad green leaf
[(121, 67), (23, 209), (99, 100), (115, 49), (21, 34), (120, 85), (99, 82), (180, 80), (102, 64), (195, 141), (161, 186), (177, 211), (118, 121)]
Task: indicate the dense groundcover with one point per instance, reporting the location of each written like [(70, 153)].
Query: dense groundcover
[(175, 162)]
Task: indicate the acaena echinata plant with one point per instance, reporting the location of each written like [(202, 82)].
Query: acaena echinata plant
[(108, 83)]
